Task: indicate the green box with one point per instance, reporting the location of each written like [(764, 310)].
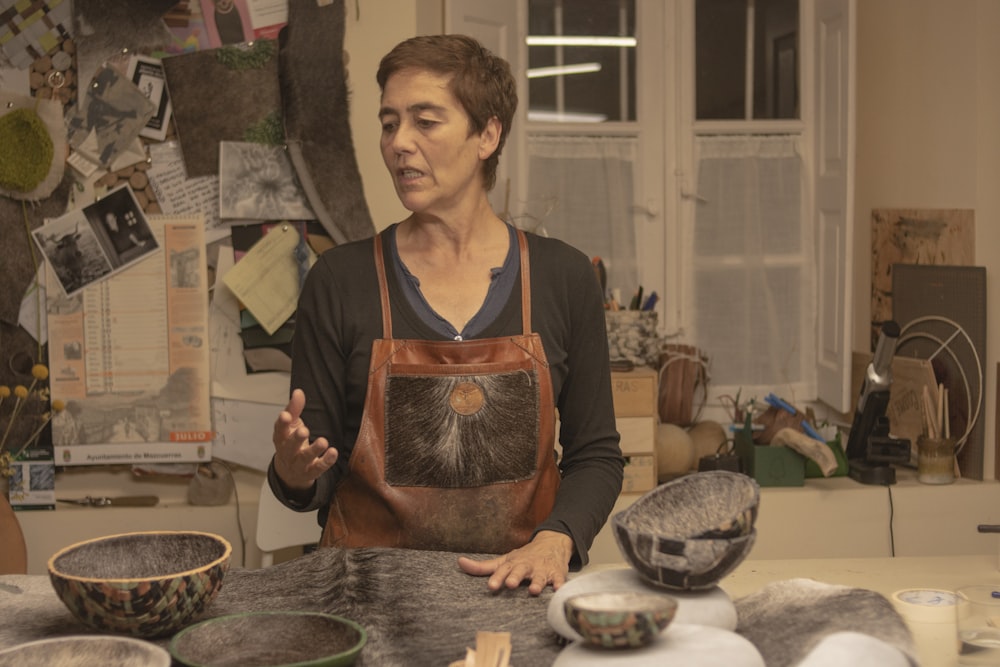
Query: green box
[(770, 466)]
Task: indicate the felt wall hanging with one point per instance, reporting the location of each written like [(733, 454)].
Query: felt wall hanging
[(245, 77), (317, 123)]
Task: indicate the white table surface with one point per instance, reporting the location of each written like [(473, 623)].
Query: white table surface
[(935, 641)]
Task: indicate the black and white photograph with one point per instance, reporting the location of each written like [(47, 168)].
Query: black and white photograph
[(147, 75), (89, 244), (119, 222), (257, 182), (73, 251)]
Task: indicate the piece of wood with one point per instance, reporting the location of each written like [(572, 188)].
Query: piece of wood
[(13, 550)]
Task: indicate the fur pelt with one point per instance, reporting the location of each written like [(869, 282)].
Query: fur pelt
[(431, 444), (786, 620), (417, 606)]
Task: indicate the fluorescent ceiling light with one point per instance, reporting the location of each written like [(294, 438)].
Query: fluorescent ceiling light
[(562, 70), (563, 40), (565, 117)]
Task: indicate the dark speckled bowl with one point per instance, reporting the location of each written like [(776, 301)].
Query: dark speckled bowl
[(145, 584), (269, 639), (690, 532)]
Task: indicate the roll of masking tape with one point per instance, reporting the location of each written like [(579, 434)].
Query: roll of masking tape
[(925, 605)]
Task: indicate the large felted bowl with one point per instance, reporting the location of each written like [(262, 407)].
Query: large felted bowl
[(270, 639), (688, 533), (708, 504), (144, 584)]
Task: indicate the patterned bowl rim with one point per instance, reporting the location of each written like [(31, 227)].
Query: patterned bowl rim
[(656, 601), (742, 481), (226, 555), (175, 649)]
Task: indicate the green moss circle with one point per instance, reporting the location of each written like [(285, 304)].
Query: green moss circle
[(27, 150)]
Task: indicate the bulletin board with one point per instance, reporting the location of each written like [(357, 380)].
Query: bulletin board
[(185, 141)]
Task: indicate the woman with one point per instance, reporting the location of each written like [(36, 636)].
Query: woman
[(452, 448)]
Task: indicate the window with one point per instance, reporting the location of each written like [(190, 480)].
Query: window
[(752, 288), (582, 137), (702, 149)]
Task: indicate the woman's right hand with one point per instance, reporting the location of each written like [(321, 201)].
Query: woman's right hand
[(298, 462)]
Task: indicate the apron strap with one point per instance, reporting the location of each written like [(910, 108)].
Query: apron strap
[(522, 243), (383, 290)]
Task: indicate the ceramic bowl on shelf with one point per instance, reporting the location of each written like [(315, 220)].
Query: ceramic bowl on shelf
[(269, 639), (628, 619), (145, 584), (86, 651)]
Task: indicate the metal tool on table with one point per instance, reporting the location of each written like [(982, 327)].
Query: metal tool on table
[(106, 501)]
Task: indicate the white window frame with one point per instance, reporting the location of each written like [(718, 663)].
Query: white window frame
[(665, 29)]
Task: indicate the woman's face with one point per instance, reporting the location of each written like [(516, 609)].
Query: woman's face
[(426, 144)]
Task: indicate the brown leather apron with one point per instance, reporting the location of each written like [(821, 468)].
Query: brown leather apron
[(456, 446)]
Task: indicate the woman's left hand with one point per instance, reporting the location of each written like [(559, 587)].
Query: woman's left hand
[(542, 561)]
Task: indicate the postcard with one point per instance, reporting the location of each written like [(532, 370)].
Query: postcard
[(109, 118), (147, 75), (258, 182), (91, 243)]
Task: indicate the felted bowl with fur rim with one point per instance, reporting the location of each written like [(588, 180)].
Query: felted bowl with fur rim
[(688, 533), (270, 639), (710, 504), (145, 584)]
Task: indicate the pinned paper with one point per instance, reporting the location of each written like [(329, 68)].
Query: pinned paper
[(266, 279)]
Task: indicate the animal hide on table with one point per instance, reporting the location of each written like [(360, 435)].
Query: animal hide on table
[(420, 609), (787, 620), (417, 606)]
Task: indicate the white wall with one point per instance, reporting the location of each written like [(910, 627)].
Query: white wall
[(927, 103), (373, 27)]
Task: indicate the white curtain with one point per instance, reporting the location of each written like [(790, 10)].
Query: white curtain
[(753, 266), (581, 191)]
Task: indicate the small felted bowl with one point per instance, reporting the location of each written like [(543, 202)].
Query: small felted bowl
[(144, 584), (270, 639), (86, 651), (628, 619)]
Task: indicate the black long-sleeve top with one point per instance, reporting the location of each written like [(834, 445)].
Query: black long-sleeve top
[(339, 316)]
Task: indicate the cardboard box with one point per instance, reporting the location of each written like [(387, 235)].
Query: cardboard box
[(770, 466), (634, 392), (640, 473), (638, 434)]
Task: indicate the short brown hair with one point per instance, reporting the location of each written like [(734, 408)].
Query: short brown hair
[(481, 82)]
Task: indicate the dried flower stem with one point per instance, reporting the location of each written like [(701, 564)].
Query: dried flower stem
[(20, 393)]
